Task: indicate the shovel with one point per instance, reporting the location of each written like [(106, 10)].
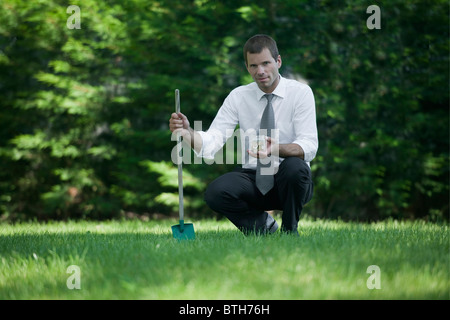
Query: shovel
[(182, 231)]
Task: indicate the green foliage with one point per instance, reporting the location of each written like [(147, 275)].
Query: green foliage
[(84, 112)]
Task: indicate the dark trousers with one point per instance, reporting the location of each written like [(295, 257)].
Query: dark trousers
[(236, 196)]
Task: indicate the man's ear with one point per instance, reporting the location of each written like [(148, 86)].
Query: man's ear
[(246, 63), (246, 67), (279, 62)]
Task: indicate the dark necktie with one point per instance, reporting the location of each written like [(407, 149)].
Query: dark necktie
[(264, 180)]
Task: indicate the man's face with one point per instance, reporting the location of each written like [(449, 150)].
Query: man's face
[(264, 69)]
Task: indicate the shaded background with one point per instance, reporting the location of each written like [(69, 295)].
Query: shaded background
[(84, 112)]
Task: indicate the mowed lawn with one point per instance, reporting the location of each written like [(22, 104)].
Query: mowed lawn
[(134, 259)]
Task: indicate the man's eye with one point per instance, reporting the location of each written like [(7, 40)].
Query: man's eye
[(266, 63)]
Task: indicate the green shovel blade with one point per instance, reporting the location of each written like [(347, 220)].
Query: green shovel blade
[(183, 231)]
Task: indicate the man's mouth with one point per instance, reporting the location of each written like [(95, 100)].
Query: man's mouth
[(263, 79)]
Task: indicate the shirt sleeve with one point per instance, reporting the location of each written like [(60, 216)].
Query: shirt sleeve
[(220, 130), (305, 127)]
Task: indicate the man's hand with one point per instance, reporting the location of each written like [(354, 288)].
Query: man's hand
[(271, 149), (179, 123), (281, 150)]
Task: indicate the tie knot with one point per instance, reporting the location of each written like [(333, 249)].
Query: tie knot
[(269, 96)]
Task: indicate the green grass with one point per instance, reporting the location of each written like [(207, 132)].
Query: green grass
[(140, 260)]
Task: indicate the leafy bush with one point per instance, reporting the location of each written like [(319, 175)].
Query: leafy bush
[(84, 112)]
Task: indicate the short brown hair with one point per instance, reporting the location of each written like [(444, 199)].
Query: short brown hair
[(257, 43)]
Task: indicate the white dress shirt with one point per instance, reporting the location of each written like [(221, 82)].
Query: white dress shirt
[(295, 118)]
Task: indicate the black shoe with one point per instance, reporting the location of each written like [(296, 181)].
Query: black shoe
[(273, 227), (290, 232), (270, 228)]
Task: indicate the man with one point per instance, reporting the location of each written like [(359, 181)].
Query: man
[(285, 111)]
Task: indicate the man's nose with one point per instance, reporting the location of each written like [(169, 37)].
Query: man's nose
[(260, 70)]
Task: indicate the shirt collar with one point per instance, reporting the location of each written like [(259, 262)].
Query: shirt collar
[(280, 90)]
